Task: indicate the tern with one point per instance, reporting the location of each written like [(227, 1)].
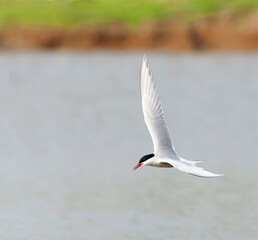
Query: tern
[(164, 155)]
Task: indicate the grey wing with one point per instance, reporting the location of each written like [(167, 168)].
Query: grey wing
[(153, 113)]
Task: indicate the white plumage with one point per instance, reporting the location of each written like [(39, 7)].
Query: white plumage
[(164, 152)]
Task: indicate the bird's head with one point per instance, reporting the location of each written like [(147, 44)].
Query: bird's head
[(143, 160)]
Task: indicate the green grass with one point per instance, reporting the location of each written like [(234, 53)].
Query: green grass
[(131, 12)]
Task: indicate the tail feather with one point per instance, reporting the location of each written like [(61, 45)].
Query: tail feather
[(192, 163)]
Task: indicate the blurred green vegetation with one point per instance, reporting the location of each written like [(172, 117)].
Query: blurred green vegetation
[(131, 12)]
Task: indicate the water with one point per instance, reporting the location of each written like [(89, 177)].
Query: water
[(71, 130)]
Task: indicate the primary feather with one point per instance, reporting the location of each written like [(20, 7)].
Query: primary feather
[(152, 111)]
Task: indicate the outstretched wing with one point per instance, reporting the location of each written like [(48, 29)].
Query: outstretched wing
[(191, 168), (153, 113)]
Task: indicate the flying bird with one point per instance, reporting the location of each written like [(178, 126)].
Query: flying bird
[(164, 155)]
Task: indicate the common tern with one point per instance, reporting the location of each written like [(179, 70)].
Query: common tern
[(164, 155)]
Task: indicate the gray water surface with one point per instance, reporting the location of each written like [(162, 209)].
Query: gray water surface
[(71, 130)]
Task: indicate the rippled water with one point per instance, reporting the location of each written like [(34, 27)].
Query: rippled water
[(72, 129)]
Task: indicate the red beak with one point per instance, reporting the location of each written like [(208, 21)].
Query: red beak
[(137, 165)]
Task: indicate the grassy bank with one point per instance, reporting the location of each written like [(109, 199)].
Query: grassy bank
[(131, 12)]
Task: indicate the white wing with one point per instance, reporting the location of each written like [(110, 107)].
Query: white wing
[(189, 167), (153, 113)]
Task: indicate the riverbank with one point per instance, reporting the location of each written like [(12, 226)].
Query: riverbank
[(235, 31)]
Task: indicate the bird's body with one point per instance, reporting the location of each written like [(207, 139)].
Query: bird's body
[(164, 155)]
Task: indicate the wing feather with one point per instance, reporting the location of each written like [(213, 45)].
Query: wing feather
[(153, 113), (189, 167)]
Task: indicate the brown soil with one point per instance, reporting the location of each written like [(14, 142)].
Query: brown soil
[(228, 32)]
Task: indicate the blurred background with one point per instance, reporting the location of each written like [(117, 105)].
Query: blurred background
[(72, 128), (159, 24)]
